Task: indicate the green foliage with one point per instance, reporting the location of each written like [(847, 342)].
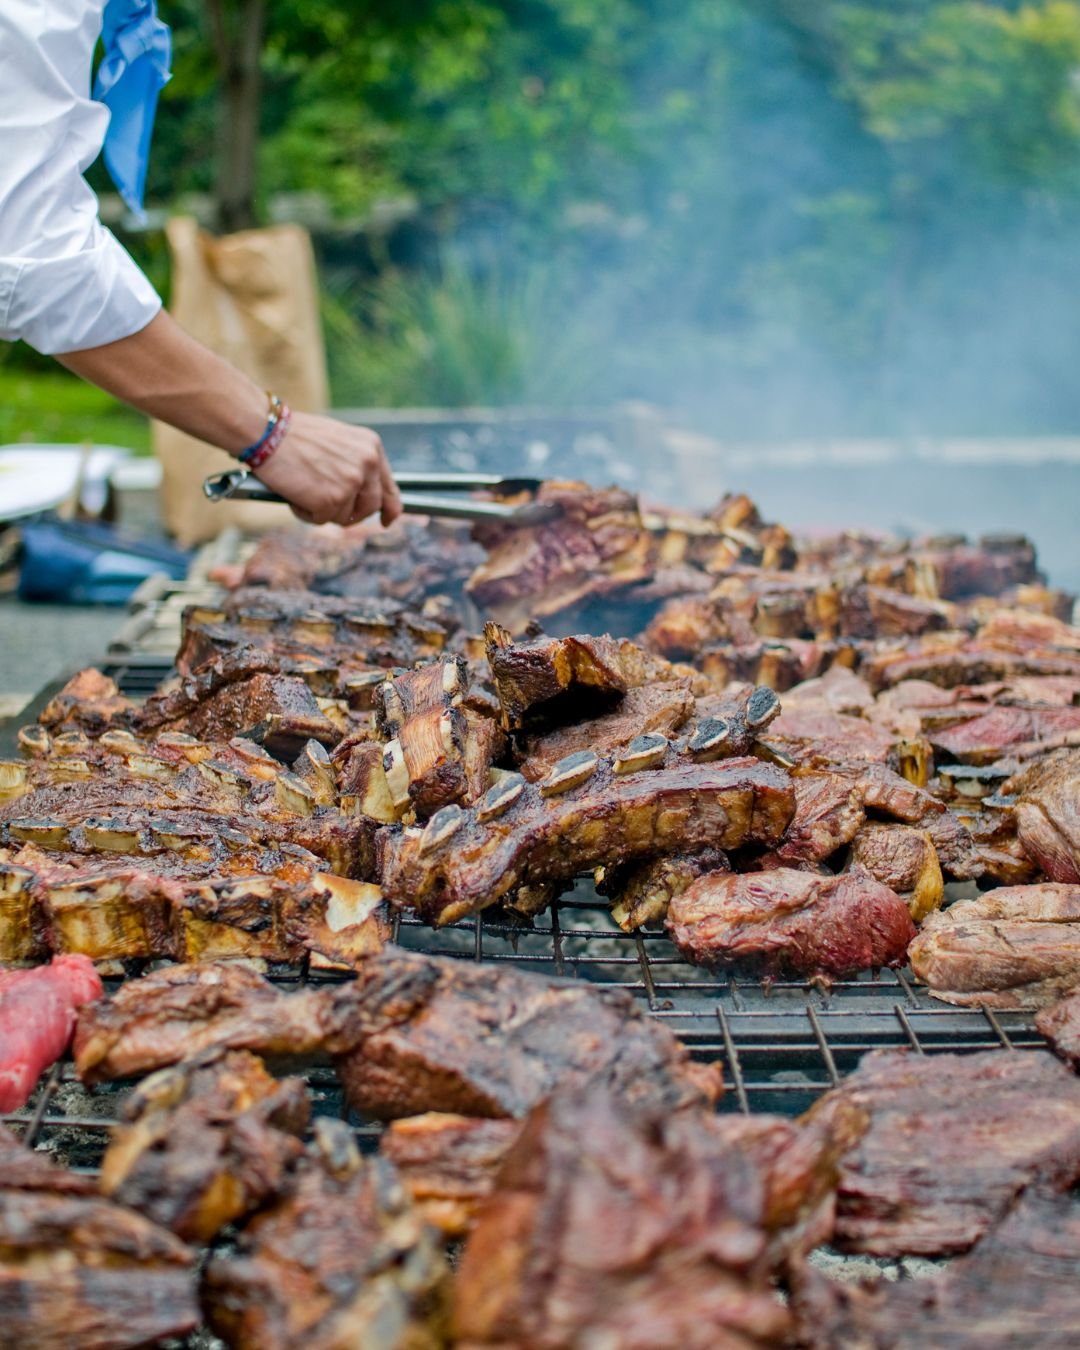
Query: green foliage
[(459, 340), (57, 407)]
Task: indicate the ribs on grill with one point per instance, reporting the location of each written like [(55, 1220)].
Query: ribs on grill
[(1060, 1024), (787, 922), (37, 1018), (344, 1260), (587, 813), (1014, 947), (204, 1144), (78, 1272), (952, 1140)]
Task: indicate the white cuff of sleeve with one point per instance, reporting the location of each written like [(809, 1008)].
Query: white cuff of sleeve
[(82, 300)]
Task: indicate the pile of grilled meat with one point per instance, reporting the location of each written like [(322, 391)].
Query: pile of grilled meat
[(780, 753)]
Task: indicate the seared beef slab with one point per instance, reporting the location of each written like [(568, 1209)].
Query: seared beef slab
[(78, 1272), (1015, 947), (1018, 1288), (613, 1227), (828, 814), (202, 1145), (495, 1040), (552, 679), (787, 922), (952, 1140), (585, 814), (412, 1033), (345, 1260)]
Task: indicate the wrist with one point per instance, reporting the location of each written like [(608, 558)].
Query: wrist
[(246, 423)]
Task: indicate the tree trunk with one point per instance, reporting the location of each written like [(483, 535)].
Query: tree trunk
[(237, 28)]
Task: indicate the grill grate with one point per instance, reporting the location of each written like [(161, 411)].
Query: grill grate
[(781, 1046)]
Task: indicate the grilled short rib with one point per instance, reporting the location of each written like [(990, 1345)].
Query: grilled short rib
[(642, 892), (1018, 1287), (411, 1034), (77, 1270), (584, 815), (343, 1260), (1017, 946), (788, 922), (203, 1144), (952, 1140)]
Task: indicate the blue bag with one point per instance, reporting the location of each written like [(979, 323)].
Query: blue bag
[(72, 563)]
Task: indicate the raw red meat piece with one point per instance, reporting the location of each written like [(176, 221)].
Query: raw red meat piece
[(37, 1017)]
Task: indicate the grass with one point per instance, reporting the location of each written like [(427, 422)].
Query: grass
[(58, 407)]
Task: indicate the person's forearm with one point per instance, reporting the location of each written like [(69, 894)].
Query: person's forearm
[(167, 374)]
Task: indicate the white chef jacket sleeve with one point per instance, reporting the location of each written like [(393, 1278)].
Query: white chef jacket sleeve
[(66, 283)]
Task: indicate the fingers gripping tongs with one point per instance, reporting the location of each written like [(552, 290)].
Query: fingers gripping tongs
[(421, 494)]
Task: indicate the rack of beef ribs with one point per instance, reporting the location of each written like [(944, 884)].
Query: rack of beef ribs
[(587, 813), (952, 1140), (343, 1259), (77, 1269), (206, 1143), (1017, 1287), (1014, 947)]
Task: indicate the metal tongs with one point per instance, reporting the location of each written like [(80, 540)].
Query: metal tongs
[(420, 495)]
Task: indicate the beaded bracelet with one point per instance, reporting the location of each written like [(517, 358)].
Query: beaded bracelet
[(276, 406), (271, 440)]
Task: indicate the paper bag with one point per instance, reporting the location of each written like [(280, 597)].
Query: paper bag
[(252, 298)]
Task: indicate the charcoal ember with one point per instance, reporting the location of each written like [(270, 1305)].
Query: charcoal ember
[(614, 1227), (597, 545), (642, 892), (344, 1259), (1047, 809), (202, 1145), (448, 1163), (78, 1272), (551, 831), (1015, 947), (552, 679), (952, 1140), (1060, 1024), (828, 814), (787, 922), (655, 709), (1017, 1287), (493, 1041), (904, 859)]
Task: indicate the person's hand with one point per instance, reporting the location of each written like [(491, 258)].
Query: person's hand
[(330, 471)]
